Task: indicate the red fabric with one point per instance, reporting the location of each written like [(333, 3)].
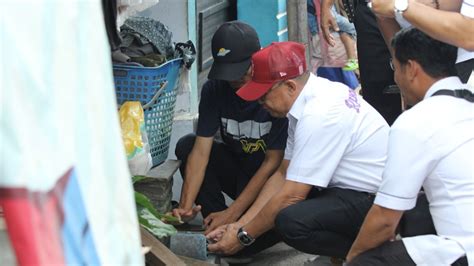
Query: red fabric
[(276, 62), (34, 221)]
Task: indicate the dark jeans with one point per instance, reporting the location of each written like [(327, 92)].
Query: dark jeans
[(326, 223), (391, 253), (464, 69), (226, 172), (416, 221)]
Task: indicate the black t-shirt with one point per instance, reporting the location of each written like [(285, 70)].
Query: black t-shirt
[(245, 127)]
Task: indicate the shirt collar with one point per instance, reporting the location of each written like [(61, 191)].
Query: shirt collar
[(297, 108), (449, 83)]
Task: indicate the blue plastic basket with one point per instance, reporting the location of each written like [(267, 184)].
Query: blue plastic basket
[(156, 89)]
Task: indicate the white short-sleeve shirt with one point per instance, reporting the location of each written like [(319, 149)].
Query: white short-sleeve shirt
[(335, 138), (432, 145)]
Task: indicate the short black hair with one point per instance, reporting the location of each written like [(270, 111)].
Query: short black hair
[(437, 58)]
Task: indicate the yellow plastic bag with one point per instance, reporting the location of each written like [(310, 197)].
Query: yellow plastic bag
[(132, 122)]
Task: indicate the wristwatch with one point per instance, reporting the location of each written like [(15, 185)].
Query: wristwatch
[(244, 238), (400, 6)]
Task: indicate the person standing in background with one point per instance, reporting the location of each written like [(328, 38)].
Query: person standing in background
[(373, 57)]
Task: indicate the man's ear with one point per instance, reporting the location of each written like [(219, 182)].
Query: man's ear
[(412, 69), (291, 86)]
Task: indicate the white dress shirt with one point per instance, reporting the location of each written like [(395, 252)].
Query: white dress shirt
[(432, 145), (335, 138)]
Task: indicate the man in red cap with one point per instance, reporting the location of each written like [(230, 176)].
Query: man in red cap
[(252, 141), (333, 163)]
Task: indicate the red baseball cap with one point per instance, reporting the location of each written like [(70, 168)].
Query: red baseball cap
[(276, 62)]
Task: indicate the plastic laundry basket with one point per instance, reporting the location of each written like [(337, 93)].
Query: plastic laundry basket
[(156, 89)]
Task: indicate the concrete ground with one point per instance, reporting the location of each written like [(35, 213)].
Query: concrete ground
[(278, 255)]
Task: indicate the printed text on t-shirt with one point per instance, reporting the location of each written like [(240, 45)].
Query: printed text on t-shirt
[(352, 101)]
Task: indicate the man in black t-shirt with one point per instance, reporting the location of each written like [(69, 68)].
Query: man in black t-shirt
[(252, 144)]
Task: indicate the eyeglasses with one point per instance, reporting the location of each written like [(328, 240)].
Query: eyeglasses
[(392, 66)]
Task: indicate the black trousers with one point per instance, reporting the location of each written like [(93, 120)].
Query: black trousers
[(417, 221), (374, 62), (326, 223), (391, 254), (226, 172)]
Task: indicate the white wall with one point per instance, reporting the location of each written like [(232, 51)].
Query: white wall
[(174, 14)]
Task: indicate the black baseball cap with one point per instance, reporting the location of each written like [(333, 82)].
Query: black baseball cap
[(232, 47)]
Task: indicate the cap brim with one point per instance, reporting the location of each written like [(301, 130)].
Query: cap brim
[(228, 71), (252, 90)]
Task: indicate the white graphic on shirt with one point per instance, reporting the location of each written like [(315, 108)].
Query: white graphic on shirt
[(249, 133)]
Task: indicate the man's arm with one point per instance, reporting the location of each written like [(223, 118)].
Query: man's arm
[(272, 186), (388, 27), (378, 227), (290, 193), (446, 24), (194, 171), (386, 8), (271, 162), (449, 27)]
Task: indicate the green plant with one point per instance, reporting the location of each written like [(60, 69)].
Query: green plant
[(150, 218)]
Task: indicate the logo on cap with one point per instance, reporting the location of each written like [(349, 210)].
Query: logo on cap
[(223, 52)]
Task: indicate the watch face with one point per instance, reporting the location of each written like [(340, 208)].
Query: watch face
[(401, 5), (244, 238)]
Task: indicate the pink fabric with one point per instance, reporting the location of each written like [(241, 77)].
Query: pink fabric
[(322, 53)]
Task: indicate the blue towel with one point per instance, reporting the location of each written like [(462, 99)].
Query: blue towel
[(339, 75)]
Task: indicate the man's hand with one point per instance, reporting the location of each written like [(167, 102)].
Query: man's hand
[(351, 255), (328, 24), (217, 219), (228, 243), (384, 8), (217, 234), (186, 215)]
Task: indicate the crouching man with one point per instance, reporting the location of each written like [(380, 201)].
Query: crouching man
[(333, 162), (430, 146)]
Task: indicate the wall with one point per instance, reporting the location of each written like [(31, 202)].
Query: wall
[(174, 14)]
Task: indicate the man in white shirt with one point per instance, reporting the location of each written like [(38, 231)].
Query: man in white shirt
[(431, 147), (334, 158)]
